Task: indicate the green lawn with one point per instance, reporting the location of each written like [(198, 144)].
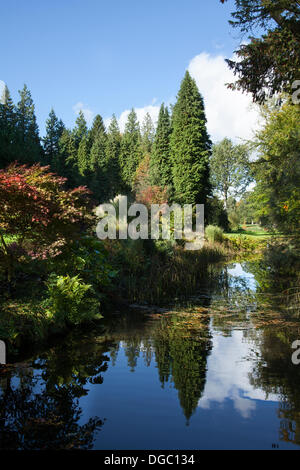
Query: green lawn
[(252, 231)]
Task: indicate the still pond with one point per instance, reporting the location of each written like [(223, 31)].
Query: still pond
[(215, 373)]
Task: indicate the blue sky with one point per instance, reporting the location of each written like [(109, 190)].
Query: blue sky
[(106, 57)]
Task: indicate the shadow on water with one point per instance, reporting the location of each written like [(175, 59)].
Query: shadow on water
[(39, 400), (213, 373)]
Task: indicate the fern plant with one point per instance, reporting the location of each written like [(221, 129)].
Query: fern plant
[(71, 301)]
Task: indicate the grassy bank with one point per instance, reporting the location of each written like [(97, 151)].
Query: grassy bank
[(252, 232)]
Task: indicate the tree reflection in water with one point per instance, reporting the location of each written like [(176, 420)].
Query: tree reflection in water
[(40, 404)]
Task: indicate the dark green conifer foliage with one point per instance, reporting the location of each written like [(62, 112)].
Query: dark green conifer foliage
[(67, 158), (160, 162), (99, 172), (83, 160), (97, 129), (131, 153), (28, 142), (98, 175), (80, 130), (190, 145), (113, 148), (7, 129), (147, 135), (97, 142), (98, 155), (54, 130)]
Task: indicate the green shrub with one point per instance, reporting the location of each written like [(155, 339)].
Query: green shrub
[(70, 301), (234, 220), (214, 234), (217, 215), (87, 259), (243, 244), (165, 247)]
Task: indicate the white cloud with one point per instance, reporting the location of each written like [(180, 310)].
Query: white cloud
[(229, 113), (88, 113), (2, 86), (140, 112), (229, 368)]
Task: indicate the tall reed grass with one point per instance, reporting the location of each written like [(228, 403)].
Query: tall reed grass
[(156, 274)]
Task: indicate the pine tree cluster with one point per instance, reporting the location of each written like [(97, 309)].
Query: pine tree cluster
[(174, 155)]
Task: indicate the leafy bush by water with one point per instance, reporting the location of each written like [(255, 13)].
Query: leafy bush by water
[(71, 301), (214, 234)]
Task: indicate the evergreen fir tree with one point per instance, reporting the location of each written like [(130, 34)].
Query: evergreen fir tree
[(113, 148), (54, 130), (160, 162), (131, 153), (83, 163), (190, 145), (67, 158), (80, 130), (28, 142), (97, 143), (98, 177), (7, 129), (98, 154), (98, 174), (97, 129), (147, 134)]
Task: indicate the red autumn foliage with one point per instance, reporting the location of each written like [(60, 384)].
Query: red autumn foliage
[(145, 193), (35, 206), (153, 195)]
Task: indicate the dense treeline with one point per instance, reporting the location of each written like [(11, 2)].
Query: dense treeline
[(172, 161), (173, 155)]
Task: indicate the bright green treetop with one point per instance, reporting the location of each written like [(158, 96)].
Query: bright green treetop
[(277, 172), (230, 168)]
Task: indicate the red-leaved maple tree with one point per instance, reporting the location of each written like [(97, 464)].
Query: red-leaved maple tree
[(37, 210)]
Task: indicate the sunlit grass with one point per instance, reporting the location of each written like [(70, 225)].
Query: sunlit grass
[(252, 231)]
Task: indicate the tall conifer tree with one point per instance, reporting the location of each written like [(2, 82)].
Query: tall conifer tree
[(98, 171), (160, 162), (147, 134), (67, 158), (29, 147), (7, 129), (80, 130), (83, 160), (97, 142), (131, 153), (190, 145), (97, 129), (113, 148), (54, 130)]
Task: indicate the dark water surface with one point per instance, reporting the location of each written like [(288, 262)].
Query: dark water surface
[(216, 374)]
